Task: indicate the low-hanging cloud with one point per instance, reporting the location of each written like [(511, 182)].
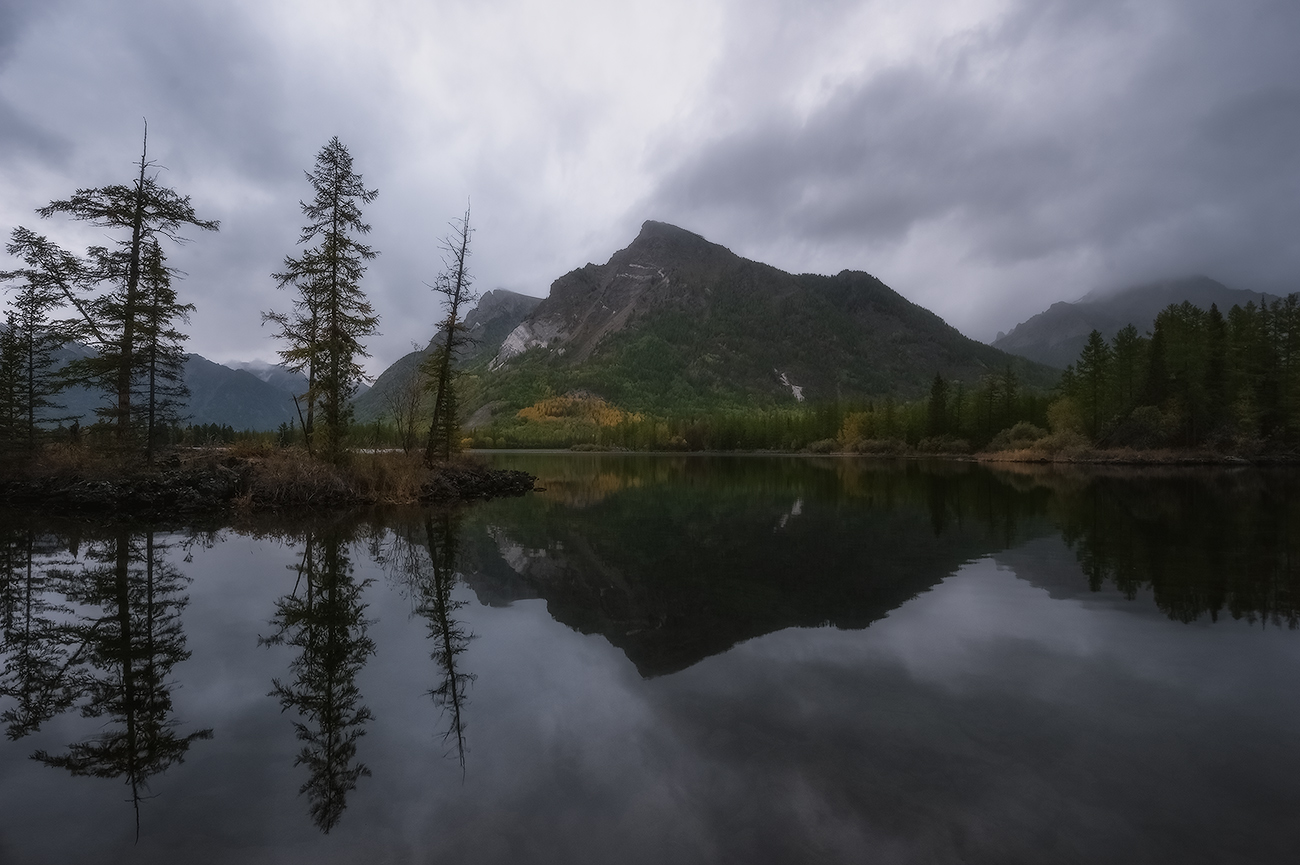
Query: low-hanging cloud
[(1059, 148)]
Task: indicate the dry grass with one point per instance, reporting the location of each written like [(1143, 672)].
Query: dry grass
[(290, 477), (271, 477), (64, 460), (1111, 456)]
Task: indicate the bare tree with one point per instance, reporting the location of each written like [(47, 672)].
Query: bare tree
[(454, 284), (405, 402)]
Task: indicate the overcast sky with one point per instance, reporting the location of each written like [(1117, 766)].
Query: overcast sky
[(985, 158)]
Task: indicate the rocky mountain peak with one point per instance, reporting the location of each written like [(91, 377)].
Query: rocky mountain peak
[(673, 317), (664, 266)]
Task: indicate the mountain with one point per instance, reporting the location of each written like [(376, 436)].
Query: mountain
[(1057, 335), (497, 313), (218, 394), (234, 397), (674, 322)]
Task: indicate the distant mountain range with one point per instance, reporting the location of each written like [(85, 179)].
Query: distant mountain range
[(218, 394), (1056, 336), (676, 323)]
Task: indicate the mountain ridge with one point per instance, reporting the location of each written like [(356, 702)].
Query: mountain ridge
[(675, 322)]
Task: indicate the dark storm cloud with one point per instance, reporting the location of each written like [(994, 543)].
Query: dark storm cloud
[(1155, 140)]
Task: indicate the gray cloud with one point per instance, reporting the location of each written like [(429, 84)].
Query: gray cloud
[(984, 159), (1061, 132)]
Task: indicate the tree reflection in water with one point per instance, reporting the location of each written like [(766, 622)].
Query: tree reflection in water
[(115, 663), (40, 672), (450, 638), (324, 619), (424, 560), (1204, 543)]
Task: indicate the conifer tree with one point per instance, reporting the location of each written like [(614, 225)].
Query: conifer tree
[(1128, 354), (146, 212), (331, 315), (937, 409), (29, 379), (160, 352), (1092, 378), (10, 388)]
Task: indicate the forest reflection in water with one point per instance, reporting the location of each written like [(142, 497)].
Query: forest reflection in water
[(671, 560), (102, 637)]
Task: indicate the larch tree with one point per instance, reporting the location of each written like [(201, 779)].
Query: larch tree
[(11, 414), (453, 283), (146, 212), (160, 351), (1092, 376), (331, 315), (30, 377)]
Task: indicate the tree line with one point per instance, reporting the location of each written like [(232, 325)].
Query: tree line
[(120, 300), (955, 418), (1197, 379)]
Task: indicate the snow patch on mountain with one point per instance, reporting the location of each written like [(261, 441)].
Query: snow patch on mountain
[(794, 388)]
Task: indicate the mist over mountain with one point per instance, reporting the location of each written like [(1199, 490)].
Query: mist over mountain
[(272, 373), (1056, 335)]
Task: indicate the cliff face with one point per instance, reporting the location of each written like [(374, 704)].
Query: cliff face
[(487, 324), (665, 267), (675, 319)]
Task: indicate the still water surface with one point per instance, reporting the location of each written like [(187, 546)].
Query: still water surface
[(685, 659)]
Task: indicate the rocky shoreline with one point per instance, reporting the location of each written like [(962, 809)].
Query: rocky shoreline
[(235, 483)]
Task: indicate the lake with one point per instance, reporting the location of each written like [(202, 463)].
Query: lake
[(670, 659)]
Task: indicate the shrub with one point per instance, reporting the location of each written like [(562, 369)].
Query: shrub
[(1145, 427), (1018, 437), (1064, 443), (943, 445), (878, 447)]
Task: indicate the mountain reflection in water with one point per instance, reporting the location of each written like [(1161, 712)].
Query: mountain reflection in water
[(370, 631)]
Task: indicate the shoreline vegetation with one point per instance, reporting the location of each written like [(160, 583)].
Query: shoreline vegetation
[(1081, 455), (252, 475), (119, 302), (246, 477)]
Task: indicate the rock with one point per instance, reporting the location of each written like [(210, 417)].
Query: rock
[(471, 482)]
